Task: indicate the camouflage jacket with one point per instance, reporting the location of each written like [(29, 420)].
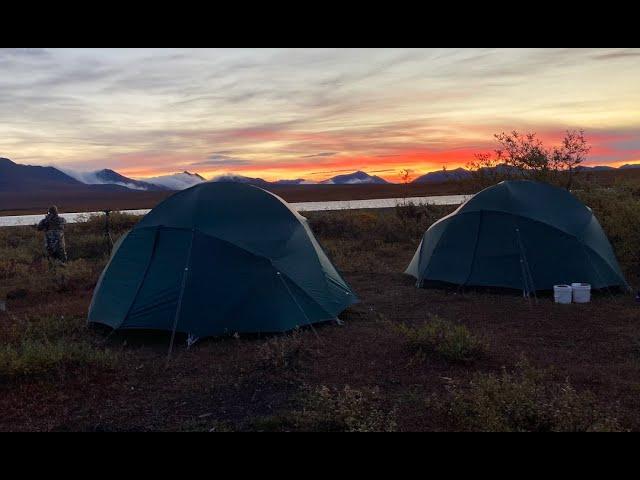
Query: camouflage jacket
[(52, 223)]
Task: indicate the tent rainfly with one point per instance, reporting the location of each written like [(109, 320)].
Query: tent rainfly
[(215, 259), (518, 234)]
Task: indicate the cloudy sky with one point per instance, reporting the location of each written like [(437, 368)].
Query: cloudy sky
[(307, 113)]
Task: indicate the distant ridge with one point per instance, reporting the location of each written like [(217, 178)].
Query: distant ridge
[(462, 173), (230, 177), (443, 176), (355, 178), (25, 178), (599, 168), (177, 181), (295, 181), (16, 177), (111, 177)]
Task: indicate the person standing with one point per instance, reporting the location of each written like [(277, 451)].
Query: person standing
[(53, 227)]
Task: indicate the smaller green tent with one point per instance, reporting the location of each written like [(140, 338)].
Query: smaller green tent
[(521, 235), (219, 258)]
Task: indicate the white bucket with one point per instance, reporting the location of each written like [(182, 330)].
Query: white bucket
[(581, 292), (562, 294)]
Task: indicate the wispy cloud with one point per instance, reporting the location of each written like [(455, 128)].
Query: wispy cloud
[(222, 161), (298, 112), (618, 54), (322, 154)]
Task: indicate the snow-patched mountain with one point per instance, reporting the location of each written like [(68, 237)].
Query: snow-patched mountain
[(15, 177), (443, 176), (232, 177), (295, 181), (110, 177), (355, 178), (176, 181)]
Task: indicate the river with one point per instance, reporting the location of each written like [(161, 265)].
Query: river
[(17, 220)]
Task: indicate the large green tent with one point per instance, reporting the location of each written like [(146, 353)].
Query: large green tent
[(219, 258), (517, 234)]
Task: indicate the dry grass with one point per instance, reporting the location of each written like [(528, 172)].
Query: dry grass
[(57, 375), (25, 272)]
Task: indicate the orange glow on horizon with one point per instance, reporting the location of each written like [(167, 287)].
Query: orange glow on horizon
[(272, 166), (388, 167)]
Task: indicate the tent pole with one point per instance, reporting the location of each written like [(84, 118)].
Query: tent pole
[(144, 275), (525, 290), (298, 304), (185, 273), (475, 249), (527, 276)]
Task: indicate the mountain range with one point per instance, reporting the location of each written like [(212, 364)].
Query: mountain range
[(111, 177), (176, 181), (20, 178), (462, 173), (355, 178), (17, 177)]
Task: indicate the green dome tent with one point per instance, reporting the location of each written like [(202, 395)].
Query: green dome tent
[(517, 234), (219, 258)]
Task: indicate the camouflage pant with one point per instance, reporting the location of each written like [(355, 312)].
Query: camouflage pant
[(55, 246)]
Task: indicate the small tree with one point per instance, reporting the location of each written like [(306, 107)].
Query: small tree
[(405, 175), (484, 169), (570, 154), (525, 155)]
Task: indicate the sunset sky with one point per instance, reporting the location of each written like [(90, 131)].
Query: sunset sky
[(307, 113)]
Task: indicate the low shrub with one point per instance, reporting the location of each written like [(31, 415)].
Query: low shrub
[(404, 224), (451, 341), (283, 352), (525, 401), (53, 328), (347, 409), (74, 275), (325, 409), (416, 218), (32, 357)]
